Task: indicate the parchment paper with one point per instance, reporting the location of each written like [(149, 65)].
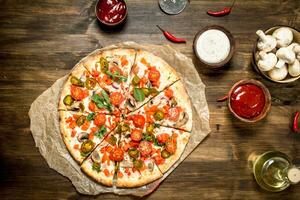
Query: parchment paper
[(44, 124)]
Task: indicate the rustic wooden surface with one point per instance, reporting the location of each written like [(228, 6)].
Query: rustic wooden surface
[(41, 40)]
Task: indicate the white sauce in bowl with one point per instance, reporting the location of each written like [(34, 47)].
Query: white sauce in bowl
[(213, 46)]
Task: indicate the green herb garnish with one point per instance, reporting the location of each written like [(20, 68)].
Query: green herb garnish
[(102, 102), (101, 132), (116, 75), (138, 94), (91, 116)]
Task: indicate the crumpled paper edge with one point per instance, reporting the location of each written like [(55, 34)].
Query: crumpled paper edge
[(85, 185)]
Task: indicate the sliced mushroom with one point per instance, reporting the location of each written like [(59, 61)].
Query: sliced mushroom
[(96, 157), (173, 102), (183, 120), (82, 136), (131, 102), (150, 166)]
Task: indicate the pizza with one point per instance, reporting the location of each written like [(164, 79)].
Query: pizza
[(125, 117)]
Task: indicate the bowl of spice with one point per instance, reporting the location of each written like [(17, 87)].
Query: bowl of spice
[(214, 46), (111, 12), (249, 100)]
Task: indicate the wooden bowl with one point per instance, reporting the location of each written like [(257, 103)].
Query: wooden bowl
[(269, 31), (232, 47), (267, 100), (110, 24)]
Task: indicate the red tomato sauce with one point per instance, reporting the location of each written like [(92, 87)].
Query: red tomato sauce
[(111, 11), (247, 101)]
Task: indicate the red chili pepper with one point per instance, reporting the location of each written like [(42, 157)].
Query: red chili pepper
[(171, 37), (223, 12), (295, 122), (224, 98)]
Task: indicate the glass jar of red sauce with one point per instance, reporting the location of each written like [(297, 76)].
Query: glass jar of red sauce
[(249, 100), (111, 12)]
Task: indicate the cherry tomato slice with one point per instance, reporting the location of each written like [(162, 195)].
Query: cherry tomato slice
[(136, 135), (116, 98), (153, 75), (138, 121), (162, 138), (174, 113), (77, 93), (100, 119), (145, 148), (116, 154)]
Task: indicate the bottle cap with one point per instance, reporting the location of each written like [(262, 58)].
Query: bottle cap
[(293, 175)]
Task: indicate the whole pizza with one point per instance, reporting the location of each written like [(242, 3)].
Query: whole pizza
[(125, 116)]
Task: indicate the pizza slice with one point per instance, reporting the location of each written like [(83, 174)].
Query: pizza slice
[(149, 76), (101, 164), (111, 69), (81, 132), (81, 92), (168, 145), (171, 108), (162, 144), (137, 168)]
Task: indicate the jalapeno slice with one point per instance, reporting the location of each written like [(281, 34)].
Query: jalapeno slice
[(90, 83), (112, 140), (76, 81), (165, 154), (159, 115), (103, 65), (153, 91), (136, 80), (150, 128), (87, 146), (138, 164), (80, 121), (133, 152), (68, 100), (146, 91)]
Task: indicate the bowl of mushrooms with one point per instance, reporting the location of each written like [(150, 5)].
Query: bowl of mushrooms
[(276, 54)]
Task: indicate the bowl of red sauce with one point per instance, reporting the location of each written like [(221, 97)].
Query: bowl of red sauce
[(111, 12), (249, 100)]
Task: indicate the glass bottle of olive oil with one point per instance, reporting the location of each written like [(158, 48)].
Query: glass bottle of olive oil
[(273, 171)]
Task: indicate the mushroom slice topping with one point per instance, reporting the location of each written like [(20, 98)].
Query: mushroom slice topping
[(82, 136), (131, 102), (183, 120), (96, 157)]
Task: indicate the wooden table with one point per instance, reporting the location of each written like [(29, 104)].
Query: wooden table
[(41, 40)]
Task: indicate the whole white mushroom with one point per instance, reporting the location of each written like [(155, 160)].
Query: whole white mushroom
[(267, 61), (285, 55), (266, 42), (278, 74), (283, 36), (294, 68)]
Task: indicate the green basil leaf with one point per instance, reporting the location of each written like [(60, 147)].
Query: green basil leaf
[(101, 132), (138, 94), (91, 116), (116, 75)]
